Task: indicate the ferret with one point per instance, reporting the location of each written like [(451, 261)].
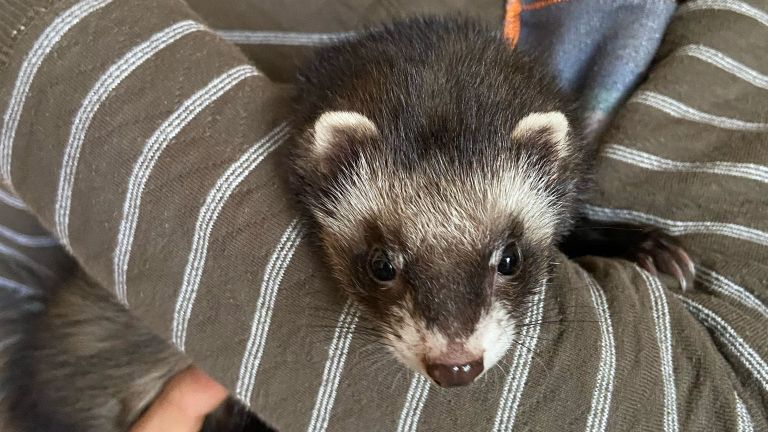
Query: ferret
[(72, 359), (441, 170)]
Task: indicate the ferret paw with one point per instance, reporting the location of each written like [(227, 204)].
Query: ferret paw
[(658, 252)]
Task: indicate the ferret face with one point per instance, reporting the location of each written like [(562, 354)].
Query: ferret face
[(443, 254)]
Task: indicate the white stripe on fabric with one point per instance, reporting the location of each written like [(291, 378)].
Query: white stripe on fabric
[(337, 356), (149, 157), (12, 200), (262, 317), (603, 392), (34, 241), (42, 47), (679, 110), (722, 285), (746, 354), (656, 163), (661, 320), (92, 102), (254, 37), (32, 264), (722, 61), (16, 287), (522, 357), (742, 415), (3, 345), (414, 404), (738, 7), (209, 212), (678, 227)]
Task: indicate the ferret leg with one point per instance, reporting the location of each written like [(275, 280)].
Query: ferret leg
[(650, 248)]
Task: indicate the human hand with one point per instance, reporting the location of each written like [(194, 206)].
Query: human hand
[(182, 404)]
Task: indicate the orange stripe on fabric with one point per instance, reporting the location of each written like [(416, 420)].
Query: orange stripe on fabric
[(541, 4), (512, 21)]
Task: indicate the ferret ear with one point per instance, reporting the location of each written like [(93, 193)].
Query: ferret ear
[(552, 126), (334, 132)]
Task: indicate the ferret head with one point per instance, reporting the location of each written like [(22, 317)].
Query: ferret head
[(442, 248)]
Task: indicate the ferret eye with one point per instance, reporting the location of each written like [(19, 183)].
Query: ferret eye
[(380, 267), (509, 264)]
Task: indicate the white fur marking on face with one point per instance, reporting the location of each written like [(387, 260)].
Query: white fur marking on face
[(554, 122), (330, 123), (491, 339), (410, 347), (494, 333), (452, 214), (519, 192)]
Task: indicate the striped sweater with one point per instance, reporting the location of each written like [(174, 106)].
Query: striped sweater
[(151, 148)]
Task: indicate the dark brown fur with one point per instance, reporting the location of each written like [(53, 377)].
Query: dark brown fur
[(79, 362), (444, 92), (435, 103)]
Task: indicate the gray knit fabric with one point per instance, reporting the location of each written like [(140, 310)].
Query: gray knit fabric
[(154, 150)]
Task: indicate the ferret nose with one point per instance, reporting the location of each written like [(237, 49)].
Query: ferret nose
[(455, 375)]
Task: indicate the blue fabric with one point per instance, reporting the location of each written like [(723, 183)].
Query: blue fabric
[(599, 49)]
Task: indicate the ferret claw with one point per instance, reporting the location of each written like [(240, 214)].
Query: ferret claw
[(660, 252), (646, 262), (680, 255), (669, 266)]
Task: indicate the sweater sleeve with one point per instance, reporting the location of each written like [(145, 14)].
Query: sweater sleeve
[(154, 151)]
